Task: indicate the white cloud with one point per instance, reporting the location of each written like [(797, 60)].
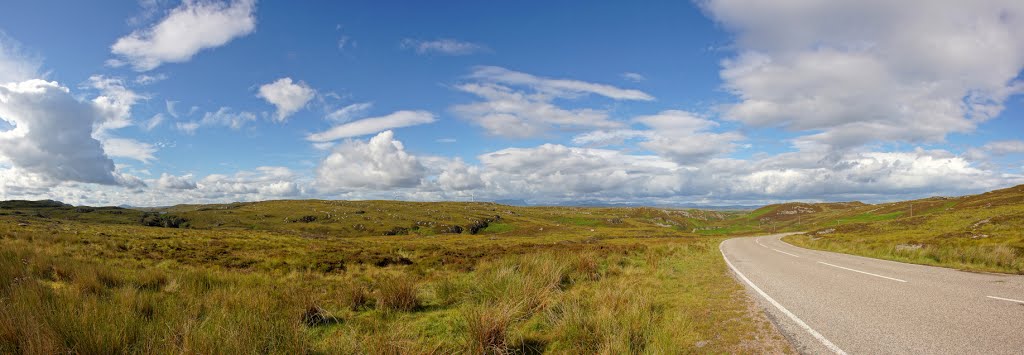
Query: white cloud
[(52, 134), (153, 122), (114, 102), (373, 125), (349, 112), (681, 136), (128, 148), (1005, 147), (380, 163), (15, 64), (684, 137), (223, 117), (188, 29), (458, 176), (146, 79), (188, 127), (510, 113), (261, 184), (171, 108), (851, 73), (521, 113), (444, 46), (287, 96), (634, 77), (171, 182), (556, 87)]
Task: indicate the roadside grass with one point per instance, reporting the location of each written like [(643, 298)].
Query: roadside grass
[(619, 286), (975, 239)]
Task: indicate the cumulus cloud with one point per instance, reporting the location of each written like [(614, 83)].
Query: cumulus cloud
[(444, 46), (349, 112), (852, 73), (373, 125), (289, 97), (193, 26), (129, 148), (520, 105), (459, 176), (171, 182), (224, 117), (114, 102), (52, 134), (380, 163), (557, 174), (260, 184), (685, 137)]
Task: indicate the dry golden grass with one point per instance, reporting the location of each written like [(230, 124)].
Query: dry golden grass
[(594, 280)]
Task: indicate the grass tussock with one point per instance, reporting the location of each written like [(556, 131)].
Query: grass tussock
[(542, 280), (398, 293)]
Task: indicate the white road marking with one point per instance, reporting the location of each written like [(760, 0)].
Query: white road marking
[(828, 344), (1005, 299), (863, 272), (758, 240)]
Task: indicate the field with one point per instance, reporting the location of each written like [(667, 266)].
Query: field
[(977, 233), (368, 277), (418, 278)]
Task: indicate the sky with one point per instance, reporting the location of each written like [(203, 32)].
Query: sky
[(711, 102)]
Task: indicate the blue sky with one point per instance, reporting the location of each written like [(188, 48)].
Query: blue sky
[(711, 102)]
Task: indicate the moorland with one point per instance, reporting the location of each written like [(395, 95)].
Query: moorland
[(316, 276)]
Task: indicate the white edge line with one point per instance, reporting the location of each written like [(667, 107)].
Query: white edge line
[(863, 272), (758, 240), (828, 344), (1005, 299)]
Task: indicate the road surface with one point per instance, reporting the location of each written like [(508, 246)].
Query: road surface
[(836, 303)]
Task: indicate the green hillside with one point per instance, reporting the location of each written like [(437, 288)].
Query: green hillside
[(978, 232)]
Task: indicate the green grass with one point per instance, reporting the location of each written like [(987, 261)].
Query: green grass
[(88, 283), (578, 221), (978, 239), (869, 217), (495, 228), (406, 277)]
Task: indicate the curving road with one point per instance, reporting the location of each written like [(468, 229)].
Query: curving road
[(836, 303)]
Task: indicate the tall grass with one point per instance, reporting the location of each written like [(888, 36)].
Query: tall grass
[(618, 296)]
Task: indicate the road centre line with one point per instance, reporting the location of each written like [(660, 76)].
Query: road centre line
[(828, 344), (758, 240), (863, 272), (1005, 299)]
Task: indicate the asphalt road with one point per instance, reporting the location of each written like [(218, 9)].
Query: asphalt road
[(836, 303)]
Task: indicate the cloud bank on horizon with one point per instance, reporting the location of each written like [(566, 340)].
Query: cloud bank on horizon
[(220, 101)]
